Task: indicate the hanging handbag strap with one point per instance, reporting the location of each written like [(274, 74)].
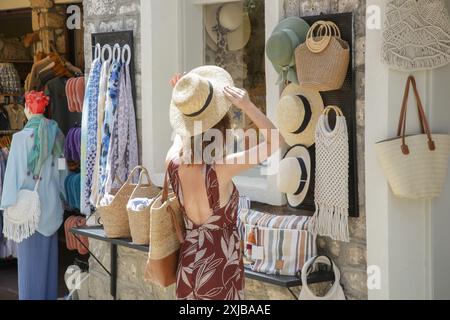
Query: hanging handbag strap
[(425, 128), (165, 199)]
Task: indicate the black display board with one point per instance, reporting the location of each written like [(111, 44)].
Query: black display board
[(122, 38), (345, 98)]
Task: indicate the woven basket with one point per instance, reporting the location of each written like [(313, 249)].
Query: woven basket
[(323, 60), (416, 166), (115, 216), (140, 220)]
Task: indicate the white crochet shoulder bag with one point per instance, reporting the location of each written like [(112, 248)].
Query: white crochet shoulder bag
[(335, 293), (21, 220)]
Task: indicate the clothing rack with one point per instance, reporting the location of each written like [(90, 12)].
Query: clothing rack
[(8, 132)]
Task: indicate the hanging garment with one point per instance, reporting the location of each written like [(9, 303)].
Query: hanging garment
[(89, 135), (38, 267), (72, 145), (331, 189), (103, 86), (56, 90), (4, 121), (72, 243), (416, 35), (211, 251), (112, 102), (123, 153), (20, 176), (16, 116), (73, 187)]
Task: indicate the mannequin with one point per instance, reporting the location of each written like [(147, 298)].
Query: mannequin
[(34, 156)]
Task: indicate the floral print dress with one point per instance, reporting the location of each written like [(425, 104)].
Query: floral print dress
[(210, 263)]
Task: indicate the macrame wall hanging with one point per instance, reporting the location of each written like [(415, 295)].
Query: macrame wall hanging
[(416, 35)]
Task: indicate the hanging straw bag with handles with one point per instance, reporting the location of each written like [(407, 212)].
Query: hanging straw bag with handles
[(114, 215), (416, 165), (167, 232), (139, 209), (323, 60)]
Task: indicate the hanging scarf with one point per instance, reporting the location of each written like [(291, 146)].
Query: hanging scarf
[(48, 140), (222, 41), (331, 189)]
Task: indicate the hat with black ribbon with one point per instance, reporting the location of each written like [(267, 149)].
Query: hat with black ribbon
[(294, 175), (298, 112)]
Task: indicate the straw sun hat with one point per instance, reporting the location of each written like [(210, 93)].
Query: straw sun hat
[(294, 175), (199, 96), (298, 112), (233, 17)]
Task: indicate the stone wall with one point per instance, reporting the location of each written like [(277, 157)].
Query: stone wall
[(109, 15), (115, 15), (350, 257)]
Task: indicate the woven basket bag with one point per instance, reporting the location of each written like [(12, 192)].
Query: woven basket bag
[(323, 60), (140, 220), (115, 216), (416, 166), (167, 232)]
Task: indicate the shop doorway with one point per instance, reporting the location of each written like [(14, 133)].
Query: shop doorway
[(27, 37)]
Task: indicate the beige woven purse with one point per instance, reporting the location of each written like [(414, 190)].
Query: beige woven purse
[(139, 218), (416, 165), (323, 60), (114, 216), (167, 232)]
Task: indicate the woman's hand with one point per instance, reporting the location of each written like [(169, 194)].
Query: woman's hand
[(174, 80), (238, 97)]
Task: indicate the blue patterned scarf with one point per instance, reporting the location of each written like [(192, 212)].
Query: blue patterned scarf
[(48, 140)]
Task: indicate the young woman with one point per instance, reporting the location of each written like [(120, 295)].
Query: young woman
[(210, 264)]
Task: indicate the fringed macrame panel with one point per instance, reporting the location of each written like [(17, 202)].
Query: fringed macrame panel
[(416, 35)]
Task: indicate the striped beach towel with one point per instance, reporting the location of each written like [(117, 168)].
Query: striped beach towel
[(283, 243)]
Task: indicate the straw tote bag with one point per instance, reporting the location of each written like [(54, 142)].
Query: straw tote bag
[(323, 60), (114, 216), (416, 166), (167, 232), (139, 209)]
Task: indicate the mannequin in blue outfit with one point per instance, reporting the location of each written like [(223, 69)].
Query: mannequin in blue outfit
[(37, 255)]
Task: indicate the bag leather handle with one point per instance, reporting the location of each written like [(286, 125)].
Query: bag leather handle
[(425, 128), (164, 198)]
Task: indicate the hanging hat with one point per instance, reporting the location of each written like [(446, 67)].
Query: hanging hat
[(416, 35), (298, 112), (280, 48), (294, 175), (36, 102), (233, 17), (199, 96)]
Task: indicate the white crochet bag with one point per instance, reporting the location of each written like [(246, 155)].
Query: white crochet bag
[(335, 293), (416, 35), (21, 220)]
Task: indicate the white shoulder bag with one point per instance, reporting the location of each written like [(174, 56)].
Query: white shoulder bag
[(21, 220), (335, 293)]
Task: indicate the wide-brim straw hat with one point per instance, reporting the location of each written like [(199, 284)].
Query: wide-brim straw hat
[(298, 112), (280, 47), (199, 97), (233, 17), (294, 175)]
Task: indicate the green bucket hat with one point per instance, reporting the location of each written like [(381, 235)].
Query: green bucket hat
[(280, 48)]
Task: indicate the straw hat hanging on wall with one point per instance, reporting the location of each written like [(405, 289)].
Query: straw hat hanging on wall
[(294, 175), (298, 111), (198, 96), (233, 17)]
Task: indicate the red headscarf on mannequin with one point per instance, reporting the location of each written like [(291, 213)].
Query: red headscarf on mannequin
[(36, 102)]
